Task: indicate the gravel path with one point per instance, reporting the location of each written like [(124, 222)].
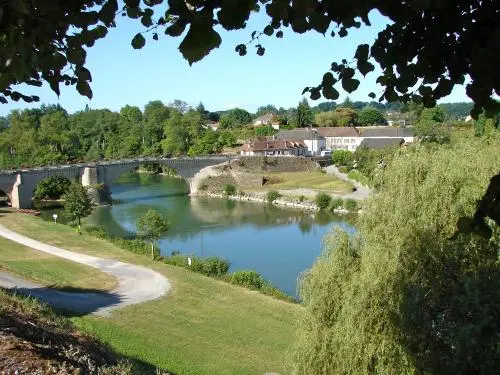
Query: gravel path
[(135, 284), (362, 191)]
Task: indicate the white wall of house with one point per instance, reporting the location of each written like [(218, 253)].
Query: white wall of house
[(315, 146), (343, 143)]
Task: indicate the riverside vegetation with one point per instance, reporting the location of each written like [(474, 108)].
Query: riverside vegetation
[(213, 266), (410, 293)]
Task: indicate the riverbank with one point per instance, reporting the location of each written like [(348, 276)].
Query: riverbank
[(210, 326), (283, 201)]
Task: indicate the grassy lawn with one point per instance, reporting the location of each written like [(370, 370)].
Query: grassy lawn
[(49, 270), (203, 326), (307, 180)]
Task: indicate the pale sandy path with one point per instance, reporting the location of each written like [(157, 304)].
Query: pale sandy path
[(135, 284)]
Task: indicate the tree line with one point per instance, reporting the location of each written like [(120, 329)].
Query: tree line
[(49, 134)]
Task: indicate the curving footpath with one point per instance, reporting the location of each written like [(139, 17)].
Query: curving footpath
[(135, 284)]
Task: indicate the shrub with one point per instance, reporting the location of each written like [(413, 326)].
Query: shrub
[(341, 157), (302, 199), (322, 200), (248, 279), (213, 266), (351, 205), (343, 169), (229, 189), (272, 195), (336, 203), (52, 187)]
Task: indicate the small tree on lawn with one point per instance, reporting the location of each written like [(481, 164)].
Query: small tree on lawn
[(77, 203), (151, 226)]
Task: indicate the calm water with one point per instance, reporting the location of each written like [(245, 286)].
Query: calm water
[(278, 243)]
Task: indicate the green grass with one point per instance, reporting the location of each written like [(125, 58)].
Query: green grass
[(49, 270), (203, 326), (307, 180)]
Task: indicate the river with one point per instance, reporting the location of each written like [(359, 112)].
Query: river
[(276, 242)]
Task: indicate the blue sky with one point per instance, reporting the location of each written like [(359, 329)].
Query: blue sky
[(223, 80)]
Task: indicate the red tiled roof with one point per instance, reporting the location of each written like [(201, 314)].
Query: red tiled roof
[(273, 145), (347, 131)]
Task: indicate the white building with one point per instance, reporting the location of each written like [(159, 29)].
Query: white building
[(315, 143), (340, 138)]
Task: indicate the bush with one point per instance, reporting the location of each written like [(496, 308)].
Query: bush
[(322, 200), (343, 169), (336, 203), (351, 205), (213, 266), (53, 187), (272, 195), (302, 199), (341, 157), (229, 190), (249, 279)]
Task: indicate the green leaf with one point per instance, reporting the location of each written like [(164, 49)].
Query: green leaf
[(329, 79), (138, 42), (268, 30), (261, 50), (342, 32), (365, 67), (76, 56), (362, 52), (315, 94), (132, 3), (372, 95), (349, 84), (108, 11), (279, 34), (199, 41), (329, 92), (84, 89), (175, 29)]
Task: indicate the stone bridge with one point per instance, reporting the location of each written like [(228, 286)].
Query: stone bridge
[(19, 185)]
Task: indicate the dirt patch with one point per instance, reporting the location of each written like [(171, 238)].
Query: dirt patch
[(33, 341)]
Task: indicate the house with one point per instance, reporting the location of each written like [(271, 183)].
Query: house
[(378, 143), (309, 136), (386, 132), (211, 125), (274, 148), (340, 138), (268, 119)]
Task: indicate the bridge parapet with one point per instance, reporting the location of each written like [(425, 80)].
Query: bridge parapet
[(19, 185)]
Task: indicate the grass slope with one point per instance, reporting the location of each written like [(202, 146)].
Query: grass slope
[(49, 270), (306, 180), (203, 326)]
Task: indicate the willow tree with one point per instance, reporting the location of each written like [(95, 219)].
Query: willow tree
[(411, 294)]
